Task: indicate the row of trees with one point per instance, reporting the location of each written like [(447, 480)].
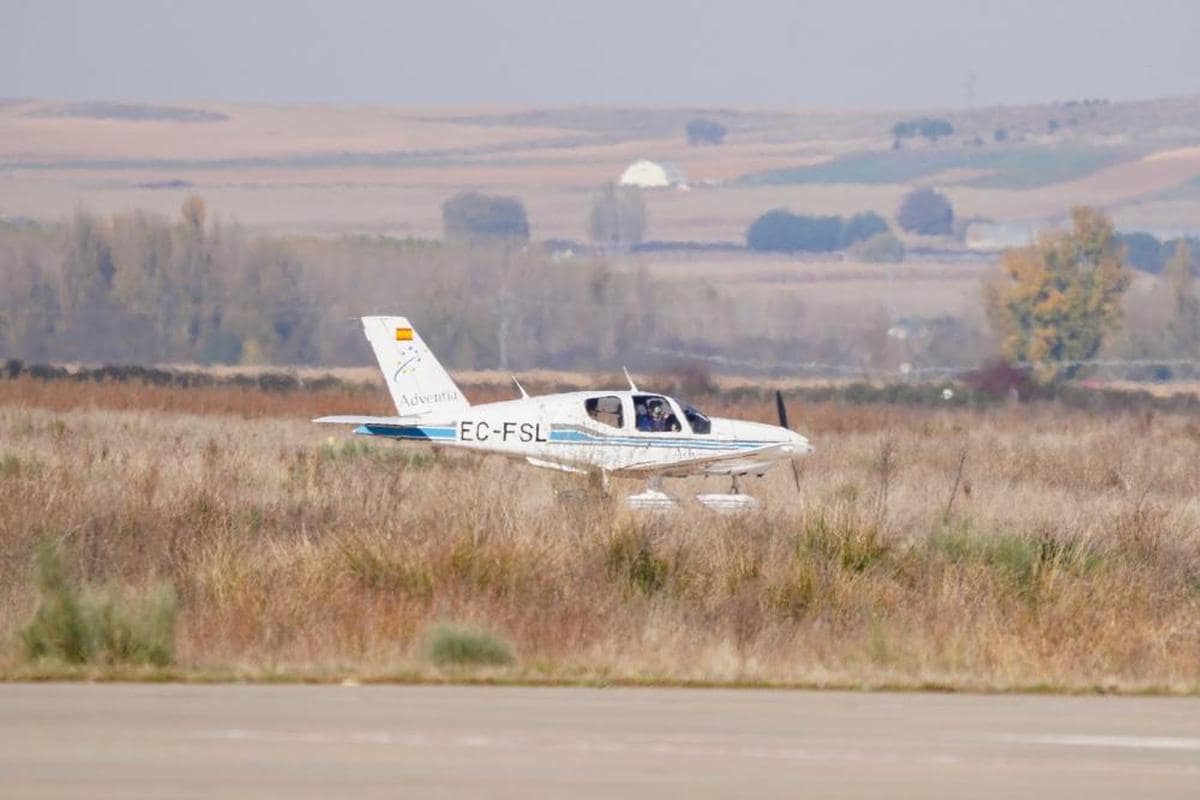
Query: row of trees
[(1151, 254), (931, 128), (141, 287), (923, 211), (782, 231), (617, 219)]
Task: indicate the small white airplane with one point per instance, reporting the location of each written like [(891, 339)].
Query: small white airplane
[(623, 433)]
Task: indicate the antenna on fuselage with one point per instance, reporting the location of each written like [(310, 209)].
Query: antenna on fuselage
[(632, 385), (524, 394)]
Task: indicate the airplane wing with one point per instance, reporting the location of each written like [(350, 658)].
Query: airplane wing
[(745, 460)]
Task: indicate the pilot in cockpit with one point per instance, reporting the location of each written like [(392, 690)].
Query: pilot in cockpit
[(658, 416), (661, 417)]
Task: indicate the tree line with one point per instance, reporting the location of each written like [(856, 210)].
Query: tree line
[(143, 288)]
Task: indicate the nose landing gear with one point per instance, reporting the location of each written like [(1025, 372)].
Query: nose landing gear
[(733, 501)]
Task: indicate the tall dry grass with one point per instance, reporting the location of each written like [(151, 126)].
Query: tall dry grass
[(1062, 551)]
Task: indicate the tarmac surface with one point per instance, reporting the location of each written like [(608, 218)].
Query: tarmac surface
[(169, 741)]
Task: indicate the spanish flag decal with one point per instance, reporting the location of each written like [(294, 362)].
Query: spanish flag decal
[(404, 334)]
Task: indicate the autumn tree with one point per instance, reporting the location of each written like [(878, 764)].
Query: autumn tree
[(618, 217), (1055, 301), (193, 212)]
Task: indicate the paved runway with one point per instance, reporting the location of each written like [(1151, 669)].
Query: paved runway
[(155, 741)]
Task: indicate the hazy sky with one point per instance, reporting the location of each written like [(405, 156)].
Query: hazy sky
[(835, 53)]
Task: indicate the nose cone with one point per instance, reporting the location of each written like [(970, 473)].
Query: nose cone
[(800, 445), (793, 444)]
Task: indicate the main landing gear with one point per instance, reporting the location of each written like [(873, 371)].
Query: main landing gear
[(655, 499)]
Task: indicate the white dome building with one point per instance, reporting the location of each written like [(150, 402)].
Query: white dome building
[(652, 175)]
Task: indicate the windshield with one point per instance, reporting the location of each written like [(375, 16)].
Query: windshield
[(699, 422)]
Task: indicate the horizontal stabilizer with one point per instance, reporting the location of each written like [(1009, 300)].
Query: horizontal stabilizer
[(352, 420)]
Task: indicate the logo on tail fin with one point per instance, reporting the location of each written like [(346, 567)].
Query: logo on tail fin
[(408, 361)]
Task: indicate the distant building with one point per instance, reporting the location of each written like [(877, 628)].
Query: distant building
[(992, 237), (652, 175)]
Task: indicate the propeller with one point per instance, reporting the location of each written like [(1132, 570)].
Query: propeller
[(783, 423)]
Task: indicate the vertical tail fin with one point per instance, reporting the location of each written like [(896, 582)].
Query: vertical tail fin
[(416, 380)]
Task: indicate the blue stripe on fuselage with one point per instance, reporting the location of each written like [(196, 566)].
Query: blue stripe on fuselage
[(418, 432), (581, 437)]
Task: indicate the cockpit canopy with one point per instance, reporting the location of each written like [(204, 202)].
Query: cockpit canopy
[(606, 409), (651, 413)]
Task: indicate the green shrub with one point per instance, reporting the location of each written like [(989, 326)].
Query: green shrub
[(385, 454), (57, 630), (862, 227), (132, 630), (475, 216), (11, 466), (705, 131), (86, 624), (855, 545), (630, 557), (450, 644), (883, 248), (1020, 559), (926, 212)]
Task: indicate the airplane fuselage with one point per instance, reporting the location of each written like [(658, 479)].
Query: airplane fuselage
[(567, 431), (626, 432)]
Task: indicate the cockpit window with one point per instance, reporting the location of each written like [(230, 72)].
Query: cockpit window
[(606, 410), (699, 422), (654, 414)]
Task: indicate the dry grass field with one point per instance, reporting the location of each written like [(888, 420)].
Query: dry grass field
[(1062, 554)]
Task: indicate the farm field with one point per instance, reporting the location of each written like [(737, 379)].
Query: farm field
[(332, 170), (1011, 548)]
